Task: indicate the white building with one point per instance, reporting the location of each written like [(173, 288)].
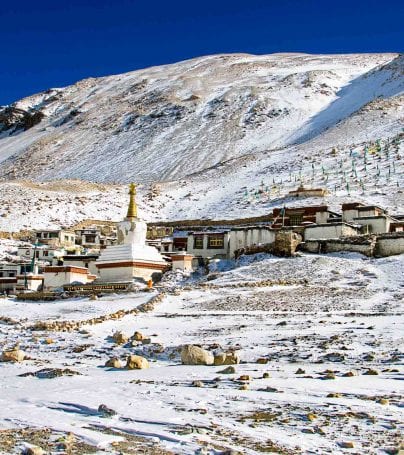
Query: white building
[(56, 276), (223, 243), (55, 237), (330, 231)]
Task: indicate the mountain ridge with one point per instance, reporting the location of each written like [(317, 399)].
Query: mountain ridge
[(167, 122)]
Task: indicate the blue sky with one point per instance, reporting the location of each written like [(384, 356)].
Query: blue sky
[(55, 43)]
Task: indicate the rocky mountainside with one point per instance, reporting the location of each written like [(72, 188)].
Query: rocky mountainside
[(168, 122)]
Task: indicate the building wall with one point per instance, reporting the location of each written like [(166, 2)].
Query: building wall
[(349, 215), (389, 246), (206, 252), (376, 225), (337, 246), (332, 231), (249, 237), (114, 274), (322, 217), (87, 264), (58, 279)]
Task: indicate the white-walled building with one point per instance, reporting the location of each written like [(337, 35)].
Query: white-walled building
[(55, 238), (56, 276), (223, 243), (330, 231)]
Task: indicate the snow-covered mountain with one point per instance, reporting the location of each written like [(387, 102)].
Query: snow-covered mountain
[(212, 132), (167, 122)]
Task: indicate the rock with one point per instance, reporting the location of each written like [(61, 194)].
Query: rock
[(93, 297), (146, 341), (197, 383), (14, 355), (334, 395), (311, 417), (244, 377), (334, 357), (384, 401), (300, 371), (262, 361), (105, 411), (51, 373), (329, 376), (33, 450), (346, 445), (226, 358), (113, 362), (137, 336), (243, 387), (120, 338), (136, 362), (266, 375), (371, 372), (194, 355), (48, 341), (228, 370), (350, 374)]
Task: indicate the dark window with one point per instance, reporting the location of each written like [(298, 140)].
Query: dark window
[(296, 220), (198, 242), (216, 241)]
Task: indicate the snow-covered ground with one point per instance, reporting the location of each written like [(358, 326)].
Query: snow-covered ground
[(332, 315)]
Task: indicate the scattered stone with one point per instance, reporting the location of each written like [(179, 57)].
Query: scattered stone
[(48, 341), (197, 383), (120, 338), (334, 357), (113, 362), (51, 373), (266, 375), (311, 417), (384, 401), (244, 377), (334, 395), (300, 371), (329, 376), (14, 355), (137, 336), (194, 355), (346, 445), (371, 372), (350, 374), (226, 358), (136, 362), (244, 387), (262, 361), (146, 341), (33, 450), (105, 411), (228, 370)]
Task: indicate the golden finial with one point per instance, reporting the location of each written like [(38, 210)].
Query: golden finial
[(132, 209)]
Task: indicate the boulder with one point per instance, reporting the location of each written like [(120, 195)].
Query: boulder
[(14, 355), (194, 355), (120, 338), (226, 358), (228, 370), (113, 362), (34, 450), (136, 362), (137, 336)]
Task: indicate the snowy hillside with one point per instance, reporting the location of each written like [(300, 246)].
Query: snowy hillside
[(167, 122)]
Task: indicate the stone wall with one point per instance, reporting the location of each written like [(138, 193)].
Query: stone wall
[(390, 244), (369, 245)]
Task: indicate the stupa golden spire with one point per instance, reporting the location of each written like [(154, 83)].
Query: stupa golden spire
[(132, 208)]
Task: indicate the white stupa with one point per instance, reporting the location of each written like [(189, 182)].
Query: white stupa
[(131, 259)]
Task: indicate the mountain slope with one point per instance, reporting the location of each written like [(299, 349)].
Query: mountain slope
[(171, 121)]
